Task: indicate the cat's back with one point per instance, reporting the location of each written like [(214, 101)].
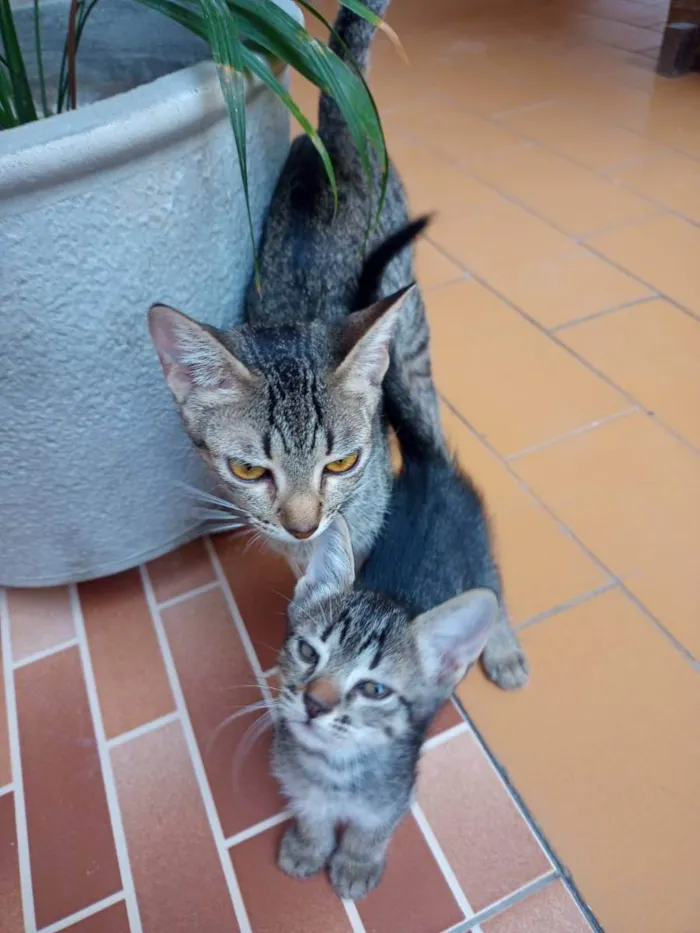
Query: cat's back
[(310, 258), (435, 542)]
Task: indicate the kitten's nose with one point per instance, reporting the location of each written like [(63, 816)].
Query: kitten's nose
[(301, 533), (314, 706)]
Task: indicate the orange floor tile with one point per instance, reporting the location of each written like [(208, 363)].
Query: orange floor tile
[(562, 278)]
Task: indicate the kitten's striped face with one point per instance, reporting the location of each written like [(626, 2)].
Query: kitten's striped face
[(284, 416), (348, 673), (356, 669)]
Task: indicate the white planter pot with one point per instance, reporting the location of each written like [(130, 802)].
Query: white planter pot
[(134, 199)]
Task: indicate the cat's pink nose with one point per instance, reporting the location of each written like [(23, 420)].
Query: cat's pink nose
[(301, 533)]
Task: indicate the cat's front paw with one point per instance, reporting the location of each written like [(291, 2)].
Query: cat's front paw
[(353, 879), (504, 660), (298, 857)]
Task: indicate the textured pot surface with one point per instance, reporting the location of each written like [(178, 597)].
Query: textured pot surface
[(133, 199)]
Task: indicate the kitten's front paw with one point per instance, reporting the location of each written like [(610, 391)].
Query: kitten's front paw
[(353, 880), (298, 857), (504, 660)]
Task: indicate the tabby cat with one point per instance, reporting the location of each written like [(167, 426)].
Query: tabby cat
[(286, 409), (369, 660)]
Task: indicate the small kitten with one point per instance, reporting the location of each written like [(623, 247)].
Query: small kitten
[(289, 416), (368, 662)]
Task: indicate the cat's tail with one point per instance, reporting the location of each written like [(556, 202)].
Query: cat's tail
[(368, 287), (350, 40)]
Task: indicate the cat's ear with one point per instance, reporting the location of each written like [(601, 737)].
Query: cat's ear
[(366, 341), (331, 569), (191, 357), (452, 636)]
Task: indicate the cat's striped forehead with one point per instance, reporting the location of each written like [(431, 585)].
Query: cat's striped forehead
[(365, 625)]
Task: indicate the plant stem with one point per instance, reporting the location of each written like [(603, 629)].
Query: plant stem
[(40, 59), (71, 48)]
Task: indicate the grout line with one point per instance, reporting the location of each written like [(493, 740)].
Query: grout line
[(543, 840), (446, 736), (574, 537), (258, 828), (142, 730), (237, 619), (568, 325), (108, 781), (7, 789), (356, 924), (46, 653), (196, 758), (575, 432), (444, 865), (567, 604), (270, 672), (190, 594), (532, 887), (25, 867), (84, 913)]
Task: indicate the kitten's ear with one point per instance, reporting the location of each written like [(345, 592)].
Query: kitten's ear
[(191, 357), (452, 636), (331, 569), (367, 339)]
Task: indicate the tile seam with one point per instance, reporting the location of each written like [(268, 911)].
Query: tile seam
[(442, 862), (574, 537), (143, 729), (574, 432), (21, 831), (190, 594), (567, 604), (85, 913), (108, 781), (623, 305), (6, 789), (446, 735), (45, 653), (504, 903), (257, 828), (195, 757)]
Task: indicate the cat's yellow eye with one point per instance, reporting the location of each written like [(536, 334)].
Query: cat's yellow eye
[(344, 464), (246, 471), (371, 690)]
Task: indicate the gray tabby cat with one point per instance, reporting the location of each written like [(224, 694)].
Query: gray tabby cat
[(369, 660), (286, 409)]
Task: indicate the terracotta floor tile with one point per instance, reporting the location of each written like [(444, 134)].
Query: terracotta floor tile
[(179, 881), (131, 681), (5, 763), (631, 493), (500, 371), (456, 134), (651, 351), (677, 128), (277, 903), (433, 269), (603, 747), (262, 583), (485, 839), (551, 909), (218, 682), (434, 184), (542, 567), (180, 571), (671, 179), (620, 35), (65, 798), (39, 619), (562, 288), (673, 270), (448, 717), (502, 233), (413, 896), (593, 143), (569, 196), (10, 894), (112, 920)]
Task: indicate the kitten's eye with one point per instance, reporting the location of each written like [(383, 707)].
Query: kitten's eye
[(371, 690), (306, 652), (246, 471), (344, 464)]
